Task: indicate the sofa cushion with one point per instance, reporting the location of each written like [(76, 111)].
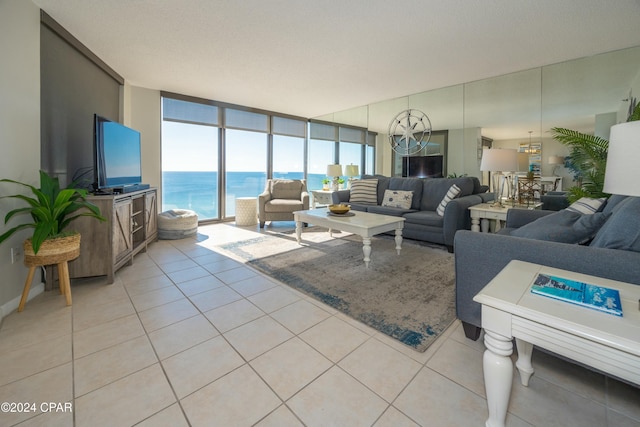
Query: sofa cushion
[(434, 190), (286, 189), (408, 184), (586, 205), (388, 210), (383, 184), (622, 230), (397, 199), (364, 191), (426, 218), (453, 192), (563, 226)]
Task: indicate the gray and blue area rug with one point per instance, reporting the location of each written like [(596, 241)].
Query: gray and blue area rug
[(410, 297)]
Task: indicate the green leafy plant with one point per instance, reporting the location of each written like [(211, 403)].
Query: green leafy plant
[(51, 210), (588, 159), (340, 180), (325, 181)]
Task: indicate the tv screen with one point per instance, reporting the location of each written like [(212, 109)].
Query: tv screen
[(117, 155), (423, 166)]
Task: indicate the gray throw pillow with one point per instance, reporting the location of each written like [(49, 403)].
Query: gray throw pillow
[(622, 231), (563, 227)]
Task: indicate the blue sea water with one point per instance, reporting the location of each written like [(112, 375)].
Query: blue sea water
[(198, 191)]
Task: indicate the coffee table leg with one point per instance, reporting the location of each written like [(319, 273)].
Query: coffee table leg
[(298, 231), (524, 361), (498, 373), (398, 240), (366, 249), (475, 224)]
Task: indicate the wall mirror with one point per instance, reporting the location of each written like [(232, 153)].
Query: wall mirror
[(587, 94)]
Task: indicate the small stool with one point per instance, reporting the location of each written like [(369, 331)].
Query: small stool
[(177, 224), (246, 211)]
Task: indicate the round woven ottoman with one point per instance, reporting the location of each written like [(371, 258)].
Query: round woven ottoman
[(177, 224)]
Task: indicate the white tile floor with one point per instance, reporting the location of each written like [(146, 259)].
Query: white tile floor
[(188, 336)]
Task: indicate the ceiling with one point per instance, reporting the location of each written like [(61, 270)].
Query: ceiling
[(313, 57)]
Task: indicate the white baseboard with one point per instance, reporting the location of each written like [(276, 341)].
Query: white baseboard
[(10, 306)]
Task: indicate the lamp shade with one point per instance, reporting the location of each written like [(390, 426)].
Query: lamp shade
[(499, 160), (556, 160), (623, 158), (334, 170), (351, 170)]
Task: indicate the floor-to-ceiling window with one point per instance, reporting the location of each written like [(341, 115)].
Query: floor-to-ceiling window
[(289, 137), (213, 153), (245, 164), (190, 146)]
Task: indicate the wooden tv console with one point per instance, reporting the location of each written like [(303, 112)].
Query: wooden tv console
[(107, 246)]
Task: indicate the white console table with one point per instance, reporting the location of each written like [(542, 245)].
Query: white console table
[(603, 341)]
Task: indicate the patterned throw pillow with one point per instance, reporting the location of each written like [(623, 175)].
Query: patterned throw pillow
[(364, 191), (397, 199), (453, 192), (586, 205)]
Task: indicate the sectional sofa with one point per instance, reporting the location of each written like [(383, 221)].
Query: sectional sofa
[(606, 245), (422, 221)]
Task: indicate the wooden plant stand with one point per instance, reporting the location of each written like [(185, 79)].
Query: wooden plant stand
[(54, 251)]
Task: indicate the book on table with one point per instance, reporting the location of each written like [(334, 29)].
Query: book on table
[(584, 294)]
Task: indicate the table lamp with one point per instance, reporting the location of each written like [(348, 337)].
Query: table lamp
[(497, 161), (351, 171), (335, 171), (622, 160)]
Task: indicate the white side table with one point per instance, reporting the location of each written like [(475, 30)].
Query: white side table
[(509, 310), (321, 197), (482, 213), (246, 211)]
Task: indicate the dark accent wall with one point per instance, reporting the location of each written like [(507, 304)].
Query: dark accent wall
[(75, 85)]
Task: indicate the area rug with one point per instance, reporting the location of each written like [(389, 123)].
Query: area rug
[(410, 297)]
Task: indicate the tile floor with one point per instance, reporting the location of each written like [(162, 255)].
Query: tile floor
[(187, 336)]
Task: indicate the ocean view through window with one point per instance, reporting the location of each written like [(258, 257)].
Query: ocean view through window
[(214, 153)]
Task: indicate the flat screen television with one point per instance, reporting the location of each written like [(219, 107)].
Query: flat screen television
[(117, 157), (423, 166)]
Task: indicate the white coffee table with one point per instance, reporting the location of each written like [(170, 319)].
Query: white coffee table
[(364, 224), (603, 341), (482, 213)]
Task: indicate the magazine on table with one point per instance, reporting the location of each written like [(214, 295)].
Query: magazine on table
[(596, 297)]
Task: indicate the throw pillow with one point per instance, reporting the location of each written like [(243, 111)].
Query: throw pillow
[(622, 231), (586, 205), (453, 192), (563, 226), (364, 191), (397, 199)]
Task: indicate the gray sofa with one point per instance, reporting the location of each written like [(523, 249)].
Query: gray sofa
[(614, 252), (421, 220)]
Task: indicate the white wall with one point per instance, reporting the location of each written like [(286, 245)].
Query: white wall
[(142, 113), (19, 129)]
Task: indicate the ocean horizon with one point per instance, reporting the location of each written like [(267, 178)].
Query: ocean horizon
[(198, 191)]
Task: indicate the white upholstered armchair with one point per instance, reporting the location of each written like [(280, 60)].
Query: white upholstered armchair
[(282, 197)]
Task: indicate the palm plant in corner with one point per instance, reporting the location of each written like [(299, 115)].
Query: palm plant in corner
[(588, 158), (51, 210)]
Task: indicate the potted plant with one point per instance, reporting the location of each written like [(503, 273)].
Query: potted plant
[(340, 183), (51, 210), (325, 184)]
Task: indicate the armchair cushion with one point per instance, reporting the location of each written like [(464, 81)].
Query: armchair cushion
[(587, 205), (286, 189)]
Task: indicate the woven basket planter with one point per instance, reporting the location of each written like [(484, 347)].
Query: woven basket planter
[(52, 251)]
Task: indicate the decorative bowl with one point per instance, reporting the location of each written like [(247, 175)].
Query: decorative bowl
[(339, 209)]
